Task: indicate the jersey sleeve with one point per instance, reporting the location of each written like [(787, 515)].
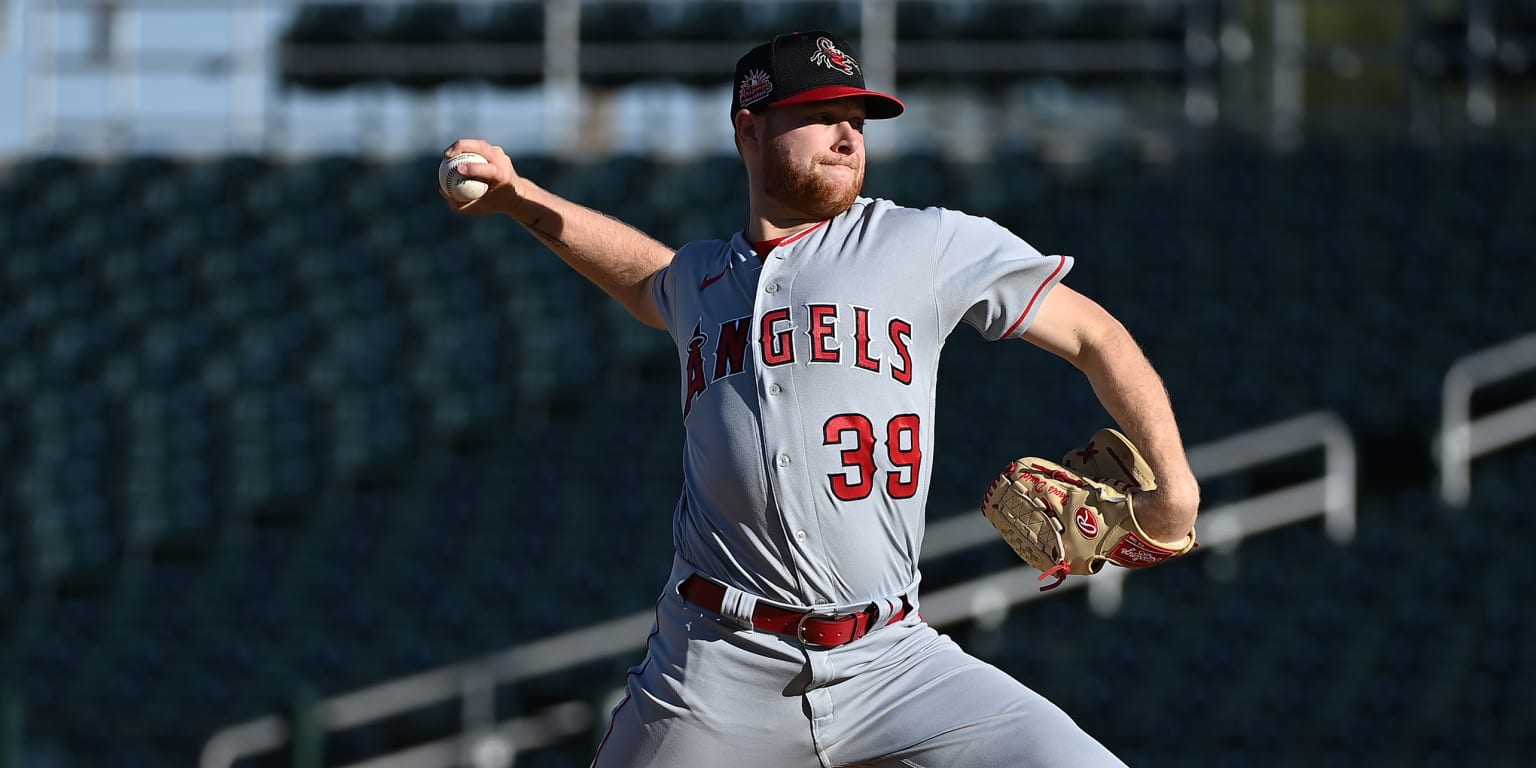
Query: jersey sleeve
[(989, 277), (662, 291)]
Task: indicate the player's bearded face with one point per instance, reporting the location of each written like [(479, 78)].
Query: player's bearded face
[(809, 178)]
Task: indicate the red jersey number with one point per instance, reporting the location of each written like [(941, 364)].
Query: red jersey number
[(856, 434)]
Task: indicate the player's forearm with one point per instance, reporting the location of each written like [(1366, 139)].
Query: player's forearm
[(613, 255), (1135, 397)]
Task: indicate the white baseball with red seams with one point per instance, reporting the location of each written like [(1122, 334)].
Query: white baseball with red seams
[(454, 184)]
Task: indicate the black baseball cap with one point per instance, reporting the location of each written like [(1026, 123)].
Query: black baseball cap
[(802, 68)]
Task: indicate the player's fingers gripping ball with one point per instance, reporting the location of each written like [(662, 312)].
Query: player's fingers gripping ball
[(1075, 516), (454, 184)]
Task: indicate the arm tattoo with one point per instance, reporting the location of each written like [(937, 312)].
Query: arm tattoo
[(548, 237)]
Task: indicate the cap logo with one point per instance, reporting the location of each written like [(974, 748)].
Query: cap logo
[(754, 86), (830, 56)]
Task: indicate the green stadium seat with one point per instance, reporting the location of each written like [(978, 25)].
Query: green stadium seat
[(620, 21), (424, 23), (515, 21), (517, 27), (843, 17), (717, 21), (933, 20), (68, 530), (270, 402), (276, 464), (346, 26)]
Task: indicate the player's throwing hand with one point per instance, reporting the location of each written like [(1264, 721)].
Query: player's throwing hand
[(503, 185)]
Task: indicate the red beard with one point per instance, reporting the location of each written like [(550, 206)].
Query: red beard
[(806, 191)]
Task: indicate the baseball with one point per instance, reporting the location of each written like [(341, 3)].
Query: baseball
[(455, 186)]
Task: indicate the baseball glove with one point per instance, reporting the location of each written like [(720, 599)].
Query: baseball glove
[(1074, 516)]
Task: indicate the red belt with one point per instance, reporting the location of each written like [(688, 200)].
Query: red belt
[(815, 629)]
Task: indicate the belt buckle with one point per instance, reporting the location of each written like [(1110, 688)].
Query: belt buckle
[(807, 616)]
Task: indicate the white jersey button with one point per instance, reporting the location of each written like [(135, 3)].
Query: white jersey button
[(783, 460), (774, 389), (772, 288), (800, 536)]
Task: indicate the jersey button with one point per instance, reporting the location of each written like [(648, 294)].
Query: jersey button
[(772, 288), (800, 536), (774, 389), (783, 459)]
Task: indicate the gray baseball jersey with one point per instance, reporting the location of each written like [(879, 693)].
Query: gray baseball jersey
[(808, 399), (808, 390)]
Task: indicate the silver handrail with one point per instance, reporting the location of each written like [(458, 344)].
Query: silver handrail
[(1464, 438), (986, 599)]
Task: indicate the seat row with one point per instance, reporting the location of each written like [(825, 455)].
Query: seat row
[(428, 44)]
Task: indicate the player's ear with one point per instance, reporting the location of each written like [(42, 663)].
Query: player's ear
[(748, 128)]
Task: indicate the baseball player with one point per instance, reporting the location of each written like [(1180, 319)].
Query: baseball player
[(789, 632)]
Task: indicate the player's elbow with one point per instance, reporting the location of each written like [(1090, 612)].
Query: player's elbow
[(640, 302), (1077, 329), (1101, 341), (651, 319)]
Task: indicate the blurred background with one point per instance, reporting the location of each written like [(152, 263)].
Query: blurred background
[(298, 468)]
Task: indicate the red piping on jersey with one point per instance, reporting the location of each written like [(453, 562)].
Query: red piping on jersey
[(1031, 305), (804, 232), (765, 247)]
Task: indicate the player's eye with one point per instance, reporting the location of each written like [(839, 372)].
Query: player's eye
[(831, 118)]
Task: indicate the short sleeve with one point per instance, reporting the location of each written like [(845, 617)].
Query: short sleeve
[(989, 277), (662, 292)]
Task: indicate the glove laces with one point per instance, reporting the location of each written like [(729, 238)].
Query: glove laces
[(1062, 566)]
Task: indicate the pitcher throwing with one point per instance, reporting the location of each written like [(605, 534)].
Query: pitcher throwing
[(789, 632)]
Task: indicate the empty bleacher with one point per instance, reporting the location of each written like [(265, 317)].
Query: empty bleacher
[(261, 442), (422, 45)]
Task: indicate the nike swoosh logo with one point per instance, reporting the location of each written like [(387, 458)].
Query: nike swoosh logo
[(708, 281)]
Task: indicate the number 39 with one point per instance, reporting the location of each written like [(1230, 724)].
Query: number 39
[(902, 446)]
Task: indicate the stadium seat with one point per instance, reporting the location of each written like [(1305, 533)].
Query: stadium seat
[(918, 179), (374, 433), (517, 29), (712, 21), (275, 442), (343, 26), (514, 21), (72, 541), (843, 17), (608, 24), (12, 445), (320, 428), (619, 21), (460, 376), (929, 20), (423, 23)]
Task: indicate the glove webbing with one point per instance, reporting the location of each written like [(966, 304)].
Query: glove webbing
[(1063, 567)]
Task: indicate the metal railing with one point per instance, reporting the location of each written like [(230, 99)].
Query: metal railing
[(1464, 438), (483, 742)]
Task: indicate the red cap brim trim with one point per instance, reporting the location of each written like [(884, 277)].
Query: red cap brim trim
[(877, 106)]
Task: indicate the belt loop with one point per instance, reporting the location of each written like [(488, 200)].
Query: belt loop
[(885, 608), (738, 606)]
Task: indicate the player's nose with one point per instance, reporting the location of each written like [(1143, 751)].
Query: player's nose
[(848, 139)]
